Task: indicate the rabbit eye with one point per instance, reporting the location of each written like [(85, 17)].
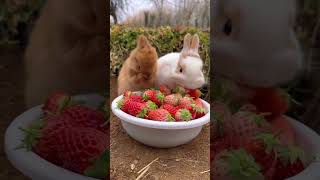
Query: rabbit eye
[(227, 29), (180, 70)]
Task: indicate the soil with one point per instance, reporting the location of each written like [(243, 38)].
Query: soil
[(12, 103), (128, 156)]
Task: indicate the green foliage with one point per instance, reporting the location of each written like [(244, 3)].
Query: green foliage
[(164, 39)]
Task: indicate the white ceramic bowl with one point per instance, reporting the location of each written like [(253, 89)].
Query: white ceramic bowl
[(29, 163), (160, 134)]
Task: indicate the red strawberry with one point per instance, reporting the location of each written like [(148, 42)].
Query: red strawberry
[(79, 147), (136, 98), (165, 90), (218, 145), (147, 94), (235, 164), (135, 108), (153, 95), (274, 101), (127, 94), (186, 103), (85, 117), (285, 171), (56, 102), (198, 109), (282, 128), (183, 115), (289, 163), (262, 148), (244, 125), (194, 93), (171, 109), (160, 115), (172, 99), (120, 104)]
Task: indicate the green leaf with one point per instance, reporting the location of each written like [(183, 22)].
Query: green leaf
[(32, 135), (241, 165), (100, 167)]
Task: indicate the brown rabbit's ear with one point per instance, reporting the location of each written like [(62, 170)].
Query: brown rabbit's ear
[(186, 44), (142, 42), (195, 43)]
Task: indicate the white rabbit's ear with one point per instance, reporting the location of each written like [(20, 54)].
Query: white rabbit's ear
[(142, 42), (186, 45), (195, 44)]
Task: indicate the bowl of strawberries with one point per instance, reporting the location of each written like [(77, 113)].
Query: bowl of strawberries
[(162, 118), (66, 138)]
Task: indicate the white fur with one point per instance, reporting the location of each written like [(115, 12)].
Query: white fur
[(262, 49), (192, 76)]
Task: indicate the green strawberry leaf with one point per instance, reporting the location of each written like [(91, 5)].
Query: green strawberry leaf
[(32, 135), (100, 167), (289, 154), (269, 140), (241, 165)]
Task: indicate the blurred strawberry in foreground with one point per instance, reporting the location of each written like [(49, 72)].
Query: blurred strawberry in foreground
[(271, 100), (55, 103), (71, 135)]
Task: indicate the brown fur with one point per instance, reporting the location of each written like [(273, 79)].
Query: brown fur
[(139, 70), (67, 50)]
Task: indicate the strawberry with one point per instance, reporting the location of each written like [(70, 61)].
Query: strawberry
[(136, 98), (160, 115), (282, 127), (172, 99), (181, 90), (120, 104), (56, 102), (235, 164), (85, 117), (165, 90), (289, 163), (183, 115), (153, 95), (137, 109), (198, 109), (186, 102), (243, 125), (218, 145), (127, 94), (274, 101), (194, 93), (148, 94), (171, 109), (263, 148), (79, 147), (151, 105)]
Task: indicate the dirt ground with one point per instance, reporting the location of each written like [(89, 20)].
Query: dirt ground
[(12, 104), (129, 156)]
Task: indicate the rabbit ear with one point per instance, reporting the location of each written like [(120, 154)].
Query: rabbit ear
[(186, 44), (142, 42), (195, 43)]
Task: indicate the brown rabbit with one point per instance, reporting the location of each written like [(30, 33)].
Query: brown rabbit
[(139, 70), (67, 50)]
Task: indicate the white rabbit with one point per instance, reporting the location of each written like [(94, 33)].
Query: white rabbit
[(183, 68), (254, 42)]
